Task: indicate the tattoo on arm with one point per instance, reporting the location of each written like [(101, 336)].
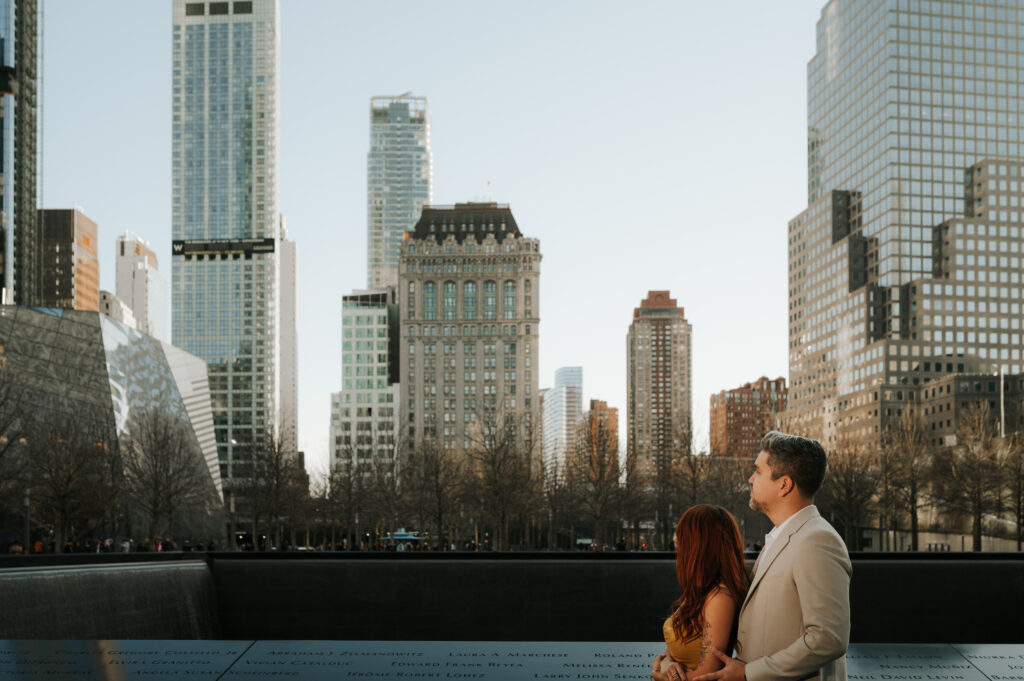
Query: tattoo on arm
[(705, 642)]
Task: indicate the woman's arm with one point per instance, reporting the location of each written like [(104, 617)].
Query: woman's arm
[(719, 613)]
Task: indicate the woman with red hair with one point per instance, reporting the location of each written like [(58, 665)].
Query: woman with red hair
[(713, 580)]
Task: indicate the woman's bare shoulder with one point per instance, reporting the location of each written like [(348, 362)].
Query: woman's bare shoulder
[(721, 596)]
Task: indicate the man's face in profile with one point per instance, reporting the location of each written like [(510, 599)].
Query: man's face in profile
[(760, 483)]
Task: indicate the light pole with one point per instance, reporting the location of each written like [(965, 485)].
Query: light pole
[(28, 520)]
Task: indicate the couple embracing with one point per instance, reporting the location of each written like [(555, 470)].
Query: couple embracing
[(792, 621)]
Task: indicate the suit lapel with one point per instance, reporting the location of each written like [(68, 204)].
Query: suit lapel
[(776, 549)]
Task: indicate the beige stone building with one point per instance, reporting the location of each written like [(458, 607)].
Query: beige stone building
[(469, 300), (659, 391)]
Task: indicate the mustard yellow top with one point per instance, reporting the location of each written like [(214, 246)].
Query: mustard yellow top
[(685, 652)]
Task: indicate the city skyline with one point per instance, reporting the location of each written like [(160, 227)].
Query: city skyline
[(621, 200)]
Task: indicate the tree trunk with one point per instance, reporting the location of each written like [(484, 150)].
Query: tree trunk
[(913, 524)]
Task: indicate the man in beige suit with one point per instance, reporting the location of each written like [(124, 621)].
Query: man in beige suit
[(795, 620)]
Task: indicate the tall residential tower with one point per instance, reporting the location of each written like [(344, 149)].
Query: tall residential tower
[(659, 392), (225, 218), (914, 109), (399, 180)]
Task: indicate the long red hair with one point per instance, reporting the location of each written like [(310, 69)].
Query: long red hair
[(709, 556)]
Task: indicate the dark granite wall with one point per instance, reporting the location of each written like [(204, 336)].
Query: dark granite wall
[(928, 598), (499, 600), (168, 600)]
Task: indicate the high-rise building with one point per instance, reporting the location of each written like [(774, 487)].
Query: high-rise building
[(740, 417), (659, 391), (20, 254), (141, 286), (365, 414), (902, 99), (289, 297), (598, 434), (469, 294), (70, 263), (563, 409), (117, 309), (399, 180), (224, 218)]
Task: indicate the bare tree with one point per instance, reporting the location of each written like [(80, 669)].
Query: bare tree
[(13, 426), (561, 500), (67, 461), (274, 479), (967, 474), (502, 463), (433, 479), (886, 475), (350, 491), (594, 467), (847, 493), (1013, 472), (634, 499), (909, 456), (164, 468)]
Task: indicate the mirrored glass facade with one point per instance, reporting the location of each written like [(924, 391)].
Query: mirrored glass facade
[(225, 217), (904, 98), (69, 363)]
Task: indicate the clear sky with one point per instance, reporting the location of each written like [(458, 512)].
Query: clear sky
[(648, 145)]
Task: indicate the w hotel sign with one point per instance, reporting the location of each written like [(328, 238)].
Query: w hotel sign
[(221, 247)]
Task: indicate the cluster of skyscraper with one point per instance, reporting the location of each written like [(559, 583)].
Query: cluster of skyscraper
[(442, 346), (905, 269)]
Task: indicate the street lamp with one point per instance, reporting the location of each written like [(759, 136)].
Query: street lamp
[(28, 520), (231, 497)]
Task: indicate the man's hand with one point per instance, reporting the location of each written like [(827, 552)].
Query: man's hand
[(734, 670)]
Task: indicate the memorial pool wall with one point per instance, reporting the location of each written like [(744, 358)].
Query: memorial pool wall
[(909, 598)]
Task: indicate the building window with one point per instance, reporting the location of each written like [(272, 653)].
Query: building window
[(469, 300), (430, 300), (194, 9), (509, 308), (490, 299), (449, 300)]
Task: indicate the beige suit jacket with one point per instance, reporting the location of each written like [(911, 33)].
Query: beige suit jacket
[(795, 621)]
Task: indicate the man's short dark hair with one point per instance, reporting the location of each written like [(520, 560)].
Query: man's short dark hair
[(801, 458)]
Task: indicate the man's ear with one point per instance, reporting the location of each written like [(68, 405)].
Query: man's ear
[(786, 486)]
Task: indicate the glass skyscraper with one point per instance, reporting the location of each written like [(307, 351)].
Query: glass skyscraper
[(225, 217), (399, 180), (20, 256), (562, 413), (904, 98)]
